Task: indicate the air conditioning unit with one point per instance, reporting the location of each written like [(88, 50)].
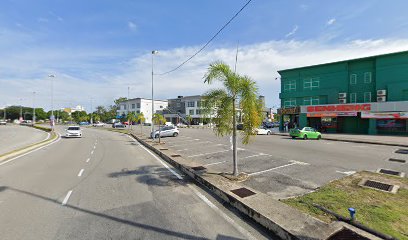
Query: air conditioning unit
[(342, 100), (381, 92), (342, 95), (381, 99)]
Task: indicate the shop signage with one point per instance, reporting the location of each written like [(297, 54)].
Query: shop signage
[(336, 114), (289, 111), (385, 115), (339, 108)]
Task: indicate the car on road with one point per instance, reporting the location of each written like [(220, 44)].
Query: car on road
[(73, 131), (84, 123), (165, 131), (99, 124), (3, 122), (262, 131), (305, 133), (118, 125)]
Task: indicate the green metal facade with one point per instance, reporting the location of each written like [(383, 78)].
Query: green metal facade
[(358, 78)]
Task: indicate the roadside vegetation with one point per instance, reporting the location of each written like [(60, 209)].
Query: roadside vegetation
[(381, 211)]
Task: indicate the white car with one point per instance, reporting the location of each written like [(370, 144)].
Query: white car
[(263, 131), (3, 122), (73, 131), (165, 131), (99, 124)]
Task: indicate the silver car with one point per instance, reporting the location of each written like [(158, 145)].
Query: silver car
[(165, 131)]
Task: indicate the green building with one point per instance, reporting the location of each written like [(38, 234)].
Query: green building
[(365, 95)]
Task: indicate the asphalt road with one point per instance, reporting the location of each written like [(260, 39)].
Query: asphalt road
[(281, 166), (107, 186), (13, 137)]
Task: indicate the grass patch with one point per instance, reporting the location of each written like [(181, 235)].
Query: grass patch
[(42, 128), (381, 211)]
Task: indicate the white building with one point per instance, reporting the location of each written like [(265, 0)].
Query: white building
[(141, 105)]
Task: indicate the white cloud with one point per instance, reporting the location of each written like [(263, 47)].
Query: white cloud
[(294, 30), (82, 77), (42, 20), (132, 26), (331, 21)]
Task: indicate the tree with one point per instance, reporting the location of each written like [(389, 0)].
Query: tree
[(223, 102), (80, 116), (131, 118), (189, 119), (140, 118), (159, 119)]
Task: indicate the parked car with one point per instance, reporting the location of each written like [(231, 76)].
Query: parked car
[(84, 123), (305, 133), (73, 131), (3, 122), (118, 125), (263, 131), (165, 131), (99, 124)]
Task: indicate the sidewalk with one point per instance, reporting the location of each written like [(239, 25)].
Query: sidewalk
[(401, 141)]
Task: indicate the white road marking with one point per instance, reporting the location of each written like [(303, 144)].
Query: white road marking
[(80, 172), (178, 145), (292, 162), (329, 143), (67, 197), (22, 155), (94, 147), (242, 230), (196, 139), (180, 150), (256, 155), (87, 160), (346, 173), (92, 152), (214, 163), (202, 154)]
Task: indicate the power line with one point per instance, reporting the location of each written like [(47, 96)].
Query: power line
[(208, 42)]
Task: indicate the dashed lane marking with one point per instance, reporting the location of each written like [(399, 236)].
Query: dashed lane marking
[(66, 198), (80, 172), (89, 159)]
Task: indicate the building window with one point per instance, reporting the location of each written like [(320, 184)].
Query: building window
[(133, 106), (137, 105), (353, 79), (289, 86), (198, 111), (190, 104), (353, 97), (291, 102), (367, 77), (311, 83), (198, 103), (311, 101), (178, 104), (137, 111), (367, 97), (191, 112), (124, 107)]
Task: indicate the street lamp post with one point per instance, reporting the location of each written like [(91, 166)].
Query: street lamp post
[(33, 108), (152, 125), (91, 112), (52, 118), (21, 109)]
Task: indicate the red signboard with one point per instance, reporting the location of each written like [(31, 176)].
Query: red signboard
[(340, 108)]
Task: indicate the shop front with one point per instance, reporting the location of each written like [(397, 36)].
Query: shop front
[(289, 118)]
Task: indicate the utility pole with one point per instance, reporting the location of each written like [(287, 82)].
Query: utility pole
[(91, 113), (21, 109), (33, 108), (52, 118), (152, 125)]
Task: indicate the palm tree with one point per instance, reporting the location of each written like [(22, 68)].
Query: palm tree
[(140, 118), (222, 103), (131, 118), (158, 119)]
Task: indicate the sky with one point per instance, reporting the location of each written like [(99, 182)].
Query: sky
[(97, 49)]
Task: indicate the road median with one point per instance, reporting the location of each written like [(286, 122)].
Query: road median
[(281, 219)]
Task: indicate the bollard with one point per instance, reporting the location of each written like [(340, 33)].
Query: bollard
[(352, 214)]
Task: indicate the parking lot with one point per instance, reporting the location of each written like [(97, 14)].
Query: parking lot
[(281, 166)]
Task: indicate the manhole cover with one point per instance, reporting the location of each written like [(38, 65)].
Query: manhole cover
[(378, 185), (389, 172), (199, 168), (402, 151), (347, 234), (175, 155), (243, 192), (397, 160)]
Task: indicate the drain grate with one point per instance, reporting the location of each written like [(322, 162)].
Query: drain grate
[(402, 151), (163, 149), (397, 160), (347, 234), (175, 155), (199, 168), (378, 185), (243, 192), (389, 172)]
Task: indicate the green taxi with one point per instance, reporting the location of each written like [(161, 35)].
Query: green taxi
[(305, 133)]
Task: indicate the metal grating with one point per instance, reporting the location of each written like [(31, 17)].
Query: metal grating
[(402, 151), (175, 155), (397, 160), (389, 172), (347, 234), (199, 168), (378, 185), (243, 192)]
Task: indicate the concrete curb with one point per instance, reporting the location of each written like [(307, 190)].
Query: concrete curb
[(352, 140), (53, 137), (284, 221)]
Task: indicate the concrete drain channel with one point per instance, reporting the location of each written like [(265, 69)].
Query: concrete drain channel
[(380, 186), (347, 234)]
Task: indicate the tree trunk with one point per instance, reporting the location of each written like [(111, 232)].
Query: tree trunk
[(159, 132), (234, 140)]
